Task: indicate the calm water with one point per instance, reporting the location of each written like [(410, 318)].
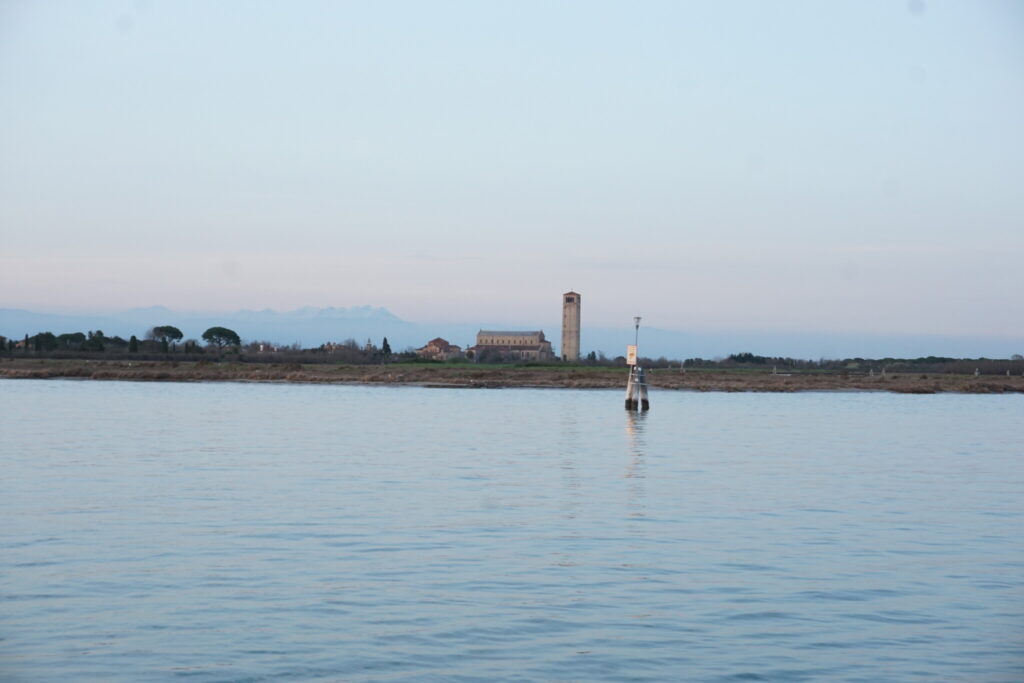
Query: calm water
[(230, 532)]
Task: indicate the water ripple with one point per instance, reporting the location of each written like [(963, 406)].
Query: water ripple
[(321, 533)]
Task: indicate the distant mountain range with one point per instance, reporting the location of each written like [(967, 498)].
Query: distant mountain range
[(312, 327)]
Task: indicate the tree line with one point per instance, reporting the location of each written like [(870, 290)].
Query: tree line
[(161, 339), (923, 364), (167, 341)]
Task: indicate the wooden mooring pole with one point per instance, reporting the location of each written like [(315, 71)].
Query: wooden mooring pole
[(636, 390), (636, 385)]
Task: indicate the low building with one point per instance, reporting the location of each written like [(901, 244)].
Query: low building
[(511, 345), (439, 349)]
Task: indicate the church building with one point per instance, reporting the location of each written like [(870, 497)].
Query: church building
[(499, 344)]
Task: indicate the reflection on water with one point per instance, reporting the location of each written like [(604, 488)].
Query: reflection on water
[(635, 430), (569, 446), (408, 534), (635, 464)]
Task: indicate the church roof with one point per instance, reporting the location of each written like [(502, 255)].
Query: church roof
[(508, 333)]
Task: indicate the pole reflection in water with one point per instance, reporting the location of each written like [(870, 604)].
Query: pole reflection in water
[(635, 469), (568, 448), (571, 501)]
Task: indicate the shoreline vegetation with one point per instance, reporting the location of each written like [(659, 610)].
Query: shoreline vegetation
[(502, 376)]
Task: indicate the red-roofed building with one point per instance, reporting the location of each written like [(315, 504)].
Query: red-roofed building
[(439, 349)]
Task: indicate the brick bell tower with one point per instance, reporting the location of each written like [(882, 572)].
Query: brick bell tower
[(571, 327)]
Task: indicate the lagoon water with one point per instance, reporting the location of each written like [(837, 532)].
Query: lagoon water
[(250, 532)]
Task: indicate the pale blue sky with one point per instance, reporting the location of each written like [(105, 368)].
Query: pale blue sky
[(821, 166)]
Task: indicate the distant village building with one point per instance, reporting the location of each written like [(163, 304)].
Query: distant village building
[(439, 349), (332, 347), (511, 345), (571, 327)]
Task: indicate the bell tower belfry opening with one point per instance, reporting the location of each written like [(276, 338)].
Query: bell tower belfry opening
[(571, 327)]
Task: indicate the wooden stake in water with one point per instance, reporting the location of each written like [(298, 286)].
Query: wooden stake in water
[(642, 384), (636, 390), (636, 385), (630, 390)]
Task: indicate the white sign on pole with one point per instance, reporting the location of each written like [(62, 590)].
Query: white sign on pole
[(631, 354)]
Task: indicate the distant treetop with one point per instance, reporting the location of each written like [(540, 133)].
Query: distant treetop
[(221, 337)]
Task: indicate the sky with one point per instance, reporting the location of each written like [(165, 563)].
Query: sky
[(849, 167)]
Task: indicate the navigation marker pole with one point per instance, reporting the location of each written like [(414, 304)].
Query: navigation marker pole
[(636, 385)]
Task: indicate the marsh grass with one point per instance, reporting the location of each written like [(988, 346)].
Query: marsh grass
[(493, 375)]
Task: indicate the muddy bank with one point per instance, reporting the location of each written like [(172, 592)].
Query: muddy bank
[(494, 377)]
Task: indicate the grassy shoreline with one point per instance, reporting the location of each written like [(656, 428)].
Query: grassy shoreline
[(493, 376)]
